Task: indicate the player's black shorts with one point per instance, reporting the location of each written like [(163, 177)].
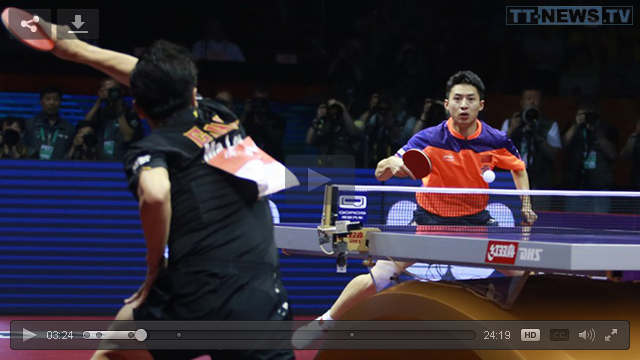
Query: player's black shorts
[(483, 218), (218, 290)]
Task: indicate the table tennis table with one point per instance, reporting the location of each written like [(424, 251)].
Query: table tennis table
[(587, 262)]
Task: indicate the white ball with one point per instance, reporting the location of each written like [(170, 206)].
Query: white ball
[(489, 176)]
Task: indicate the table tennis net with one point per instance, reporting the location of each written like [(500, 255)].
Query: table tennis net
[(481, 210)]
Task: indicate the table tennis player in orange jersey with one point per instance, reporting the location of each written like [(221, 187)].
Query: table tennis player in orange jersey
[(459, 149)]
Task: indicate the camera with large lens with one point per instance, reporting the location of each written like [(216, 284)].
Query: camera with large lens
[(334, 113), (115, 94), (90, 140), (591, 118), (531, 116), (11, 137)]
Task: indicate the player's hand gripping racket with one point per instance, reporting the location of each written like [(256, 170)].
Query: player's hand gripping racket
[(27, 28), (418, 162)]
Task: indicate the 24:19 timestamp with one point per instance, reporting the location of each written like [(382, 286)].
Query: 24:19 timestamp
[(497, 335)]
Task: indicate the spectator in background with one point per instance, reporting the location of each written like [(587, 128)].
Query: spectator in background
[(383, 130), (13, 147), (215, 45), (581, 79), (85, 143), (536, 137), (433, 113), (117, 126), (631, 153), (225, 98), (591, 150), (334, 132), (364, 118), (49, 134), (265, 127)]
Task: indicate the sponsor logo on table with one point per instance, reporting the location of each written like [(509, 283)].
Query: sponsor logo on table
[(529, 254), (353, 202), (352, 208), (355, 238), (501, 252)]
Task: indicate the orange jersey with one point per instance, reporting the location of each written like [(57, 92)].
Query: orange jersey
[(459, 163)]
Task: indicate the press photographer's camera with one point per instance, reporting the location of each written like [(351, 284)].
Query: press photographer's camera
[(11, 137), (90, 140), (590, 118), (115, 95), (531, 116)]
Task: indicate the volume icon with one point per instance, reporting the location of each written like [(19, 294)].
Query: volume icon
[(589, 335)]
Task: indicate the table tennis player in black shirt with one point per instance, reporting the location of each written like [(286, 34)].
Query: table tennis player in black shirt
[(223, 262)]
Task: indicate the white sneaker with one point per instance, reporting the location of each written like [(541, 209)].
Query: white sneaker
[(311, 332)]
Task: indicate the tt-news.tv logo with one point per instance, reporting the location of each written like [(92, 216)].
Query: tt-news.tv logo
[(569, 15)]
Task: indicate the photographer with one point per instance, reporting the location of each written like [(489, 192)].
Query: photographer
[(225, 98), (13, 130), (591, 150), (631, 153), (433, 113), (117, 126), (334, 132), (85, 143), (265, 127), (536, 138), (383, 130)]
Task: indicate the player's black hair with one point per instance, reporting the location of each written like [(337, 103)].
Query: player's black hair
[(50, 89), (465, 77), (163, 80)]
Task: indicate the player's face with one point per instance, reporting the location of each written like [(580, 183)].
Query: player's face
[(530, 98), (464, 104)]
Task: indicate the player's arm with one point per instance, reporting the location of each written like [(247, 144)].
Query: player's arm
[(69, 47), (392, 166), (521, 180), (154, 193)]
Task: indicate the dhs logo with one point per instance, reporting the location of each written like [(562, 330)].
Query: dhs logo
[(353, 202), (526, 254)]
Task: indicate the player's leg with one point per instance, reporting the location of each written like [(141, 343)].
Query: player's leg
[(125, 314), (358, 289)]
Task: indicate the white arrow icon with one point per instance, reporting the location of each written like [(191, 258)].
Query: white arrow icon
[(315, 180), (607, 338), (78, 23), (614, 332), (26, 335)]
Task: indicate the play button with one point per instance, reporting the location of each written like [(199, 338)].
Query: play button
[(315, 180), (27, 335)]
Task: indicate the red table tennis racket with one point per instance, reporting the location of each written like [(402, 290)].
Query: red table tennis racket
[(418, 162), (25, 27)]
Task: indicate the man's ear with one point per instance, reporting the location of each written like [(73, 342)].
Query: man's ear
[(194, 102), (446, 104), (481, 105), (140, 112), (142, 115)]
